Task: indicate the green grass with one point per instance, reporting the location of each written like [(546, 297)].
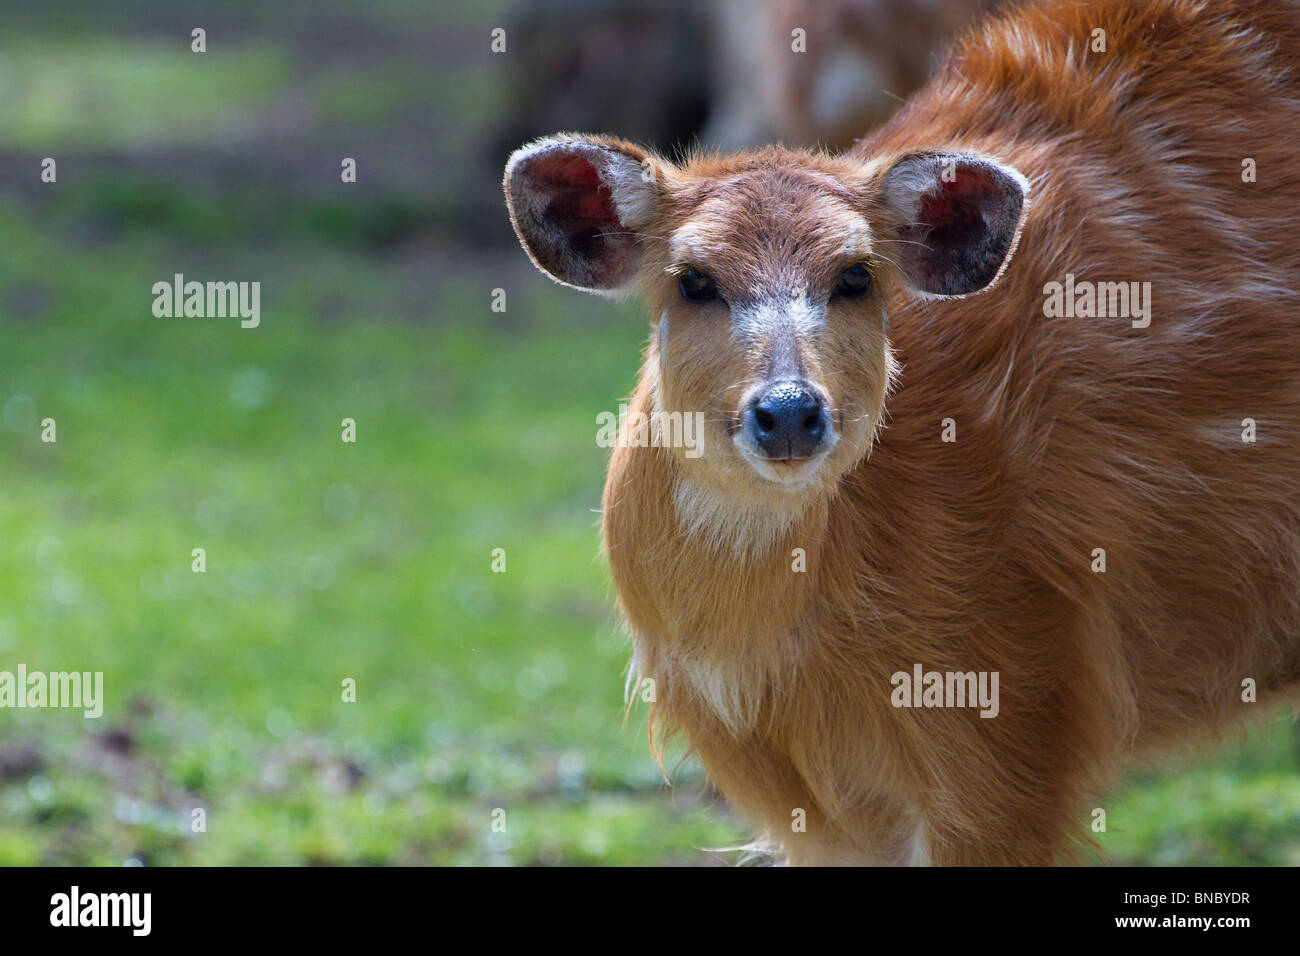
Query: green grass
[(103, 91), (325, 561), (1237, 809)]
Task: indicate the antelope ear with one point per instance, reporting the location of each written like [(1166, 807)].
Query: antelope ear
[(577, 203), (957, 220)]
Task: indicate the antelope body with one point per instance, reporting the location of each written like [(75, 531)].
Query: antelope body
[(908, 462)]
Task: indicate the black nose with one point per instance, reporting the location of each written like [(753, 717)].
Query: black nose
[(789, 421)]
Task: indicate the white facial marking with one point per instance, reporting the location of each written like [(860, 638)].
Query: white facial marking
[(858, 242), (781, 321), (793, 313), (689, 245)]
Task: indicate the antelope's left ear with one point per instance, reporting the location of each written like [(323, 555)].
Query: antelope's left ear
[(956, 220)]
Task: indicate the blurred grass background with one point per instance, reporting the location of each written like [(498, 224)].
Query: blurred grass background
[(327, 560)]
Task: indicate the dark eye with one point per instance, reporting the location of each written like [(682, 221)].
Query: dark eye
[(697, 287), (854, 280)]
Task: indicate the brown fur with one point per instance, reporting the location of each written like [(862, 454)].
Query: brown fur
[(1072, 434)]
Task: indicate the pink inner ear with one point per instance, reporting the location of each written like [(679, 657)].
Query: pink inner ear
[(937, 210), (961, 231), (954, 215), (972, 186), (578, 194), (956, 212)]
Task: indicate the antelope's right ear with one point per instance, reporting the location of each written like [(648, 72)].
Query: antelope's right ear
[(957, 220), (578, 203)]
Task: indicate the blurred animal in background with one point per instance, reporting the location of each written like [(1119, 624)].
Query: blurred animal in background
[(862, 59), (670, 72), (608, 64)]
